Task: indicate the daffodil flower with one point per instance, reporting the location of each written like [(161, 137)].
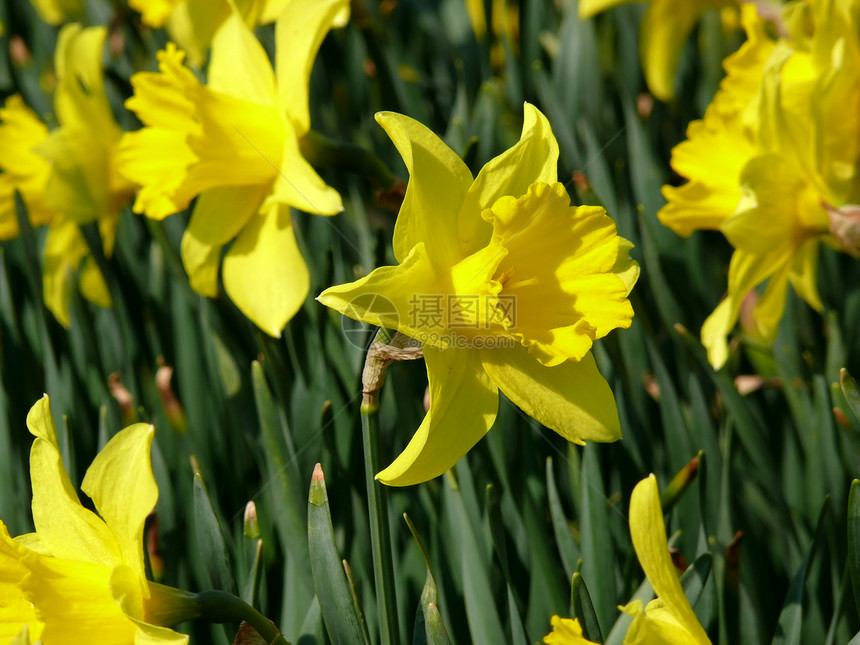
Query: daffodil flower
[(566, 631), (66, 177), (80, 577), (669, 619), (769, 165), (666, 26), (193, 23), (235, 143), (505, 284)]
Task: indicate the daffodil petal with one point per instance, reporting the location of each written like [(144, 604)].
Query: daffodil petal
[(746, 271), (126, 591), (153, 13), (712, 158), (177, 605), (74, 600), (779, 193), (264, 272), (299, 185), (589, 8), (463, 406), (64, 249), (647, 629), (16, 612), (92, 283), (77, 186), (573, 398), (566, 631), (626, 267), (695, 206), (395, 298), (740, 88), (804, 273), (649, 541), (770, 307), (716, 328), (140, 159), (299, 32), (80, 97), (121, 484), (147, 634), (192, 25), (24, 169), (666, 26), (438, 181), (219, 215), (55, 12), (65, 528), (533, 159), (8, 209), (239, 66)]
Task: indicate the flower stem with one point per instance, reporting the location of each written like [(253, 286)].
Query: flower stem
[(222, 607), (375, 368)]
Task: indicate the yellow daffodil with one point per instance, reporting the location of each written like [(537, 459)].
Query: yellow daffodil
[(666, 26), (66, 177), (193, 23), (505, 285), (566, 631), (80, 577), (56, 12), (235, 143), (773, 163), (669, 619)]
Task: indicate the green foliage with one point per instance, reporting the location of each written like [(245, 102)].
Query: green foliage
[(490, 549)]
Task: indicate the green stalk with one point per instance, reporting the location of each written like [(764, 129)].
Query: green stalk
[(379, 357), (169, 606), (223, 607)]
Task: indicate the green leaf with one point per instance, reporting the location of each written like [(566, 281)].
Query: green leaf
[(210, 540), (429, 627), (567, 547), (849, 389), (854, 540), (485, 626), (788, 630), (343, 618), (497, 532), (584, 610), (598, 555), (694, 578)]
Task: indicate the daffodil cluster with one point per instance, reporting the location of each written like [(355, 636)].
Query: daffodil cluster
[(506, 285), (773, 165), (80, 577), (234, 144), (66, 177)]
